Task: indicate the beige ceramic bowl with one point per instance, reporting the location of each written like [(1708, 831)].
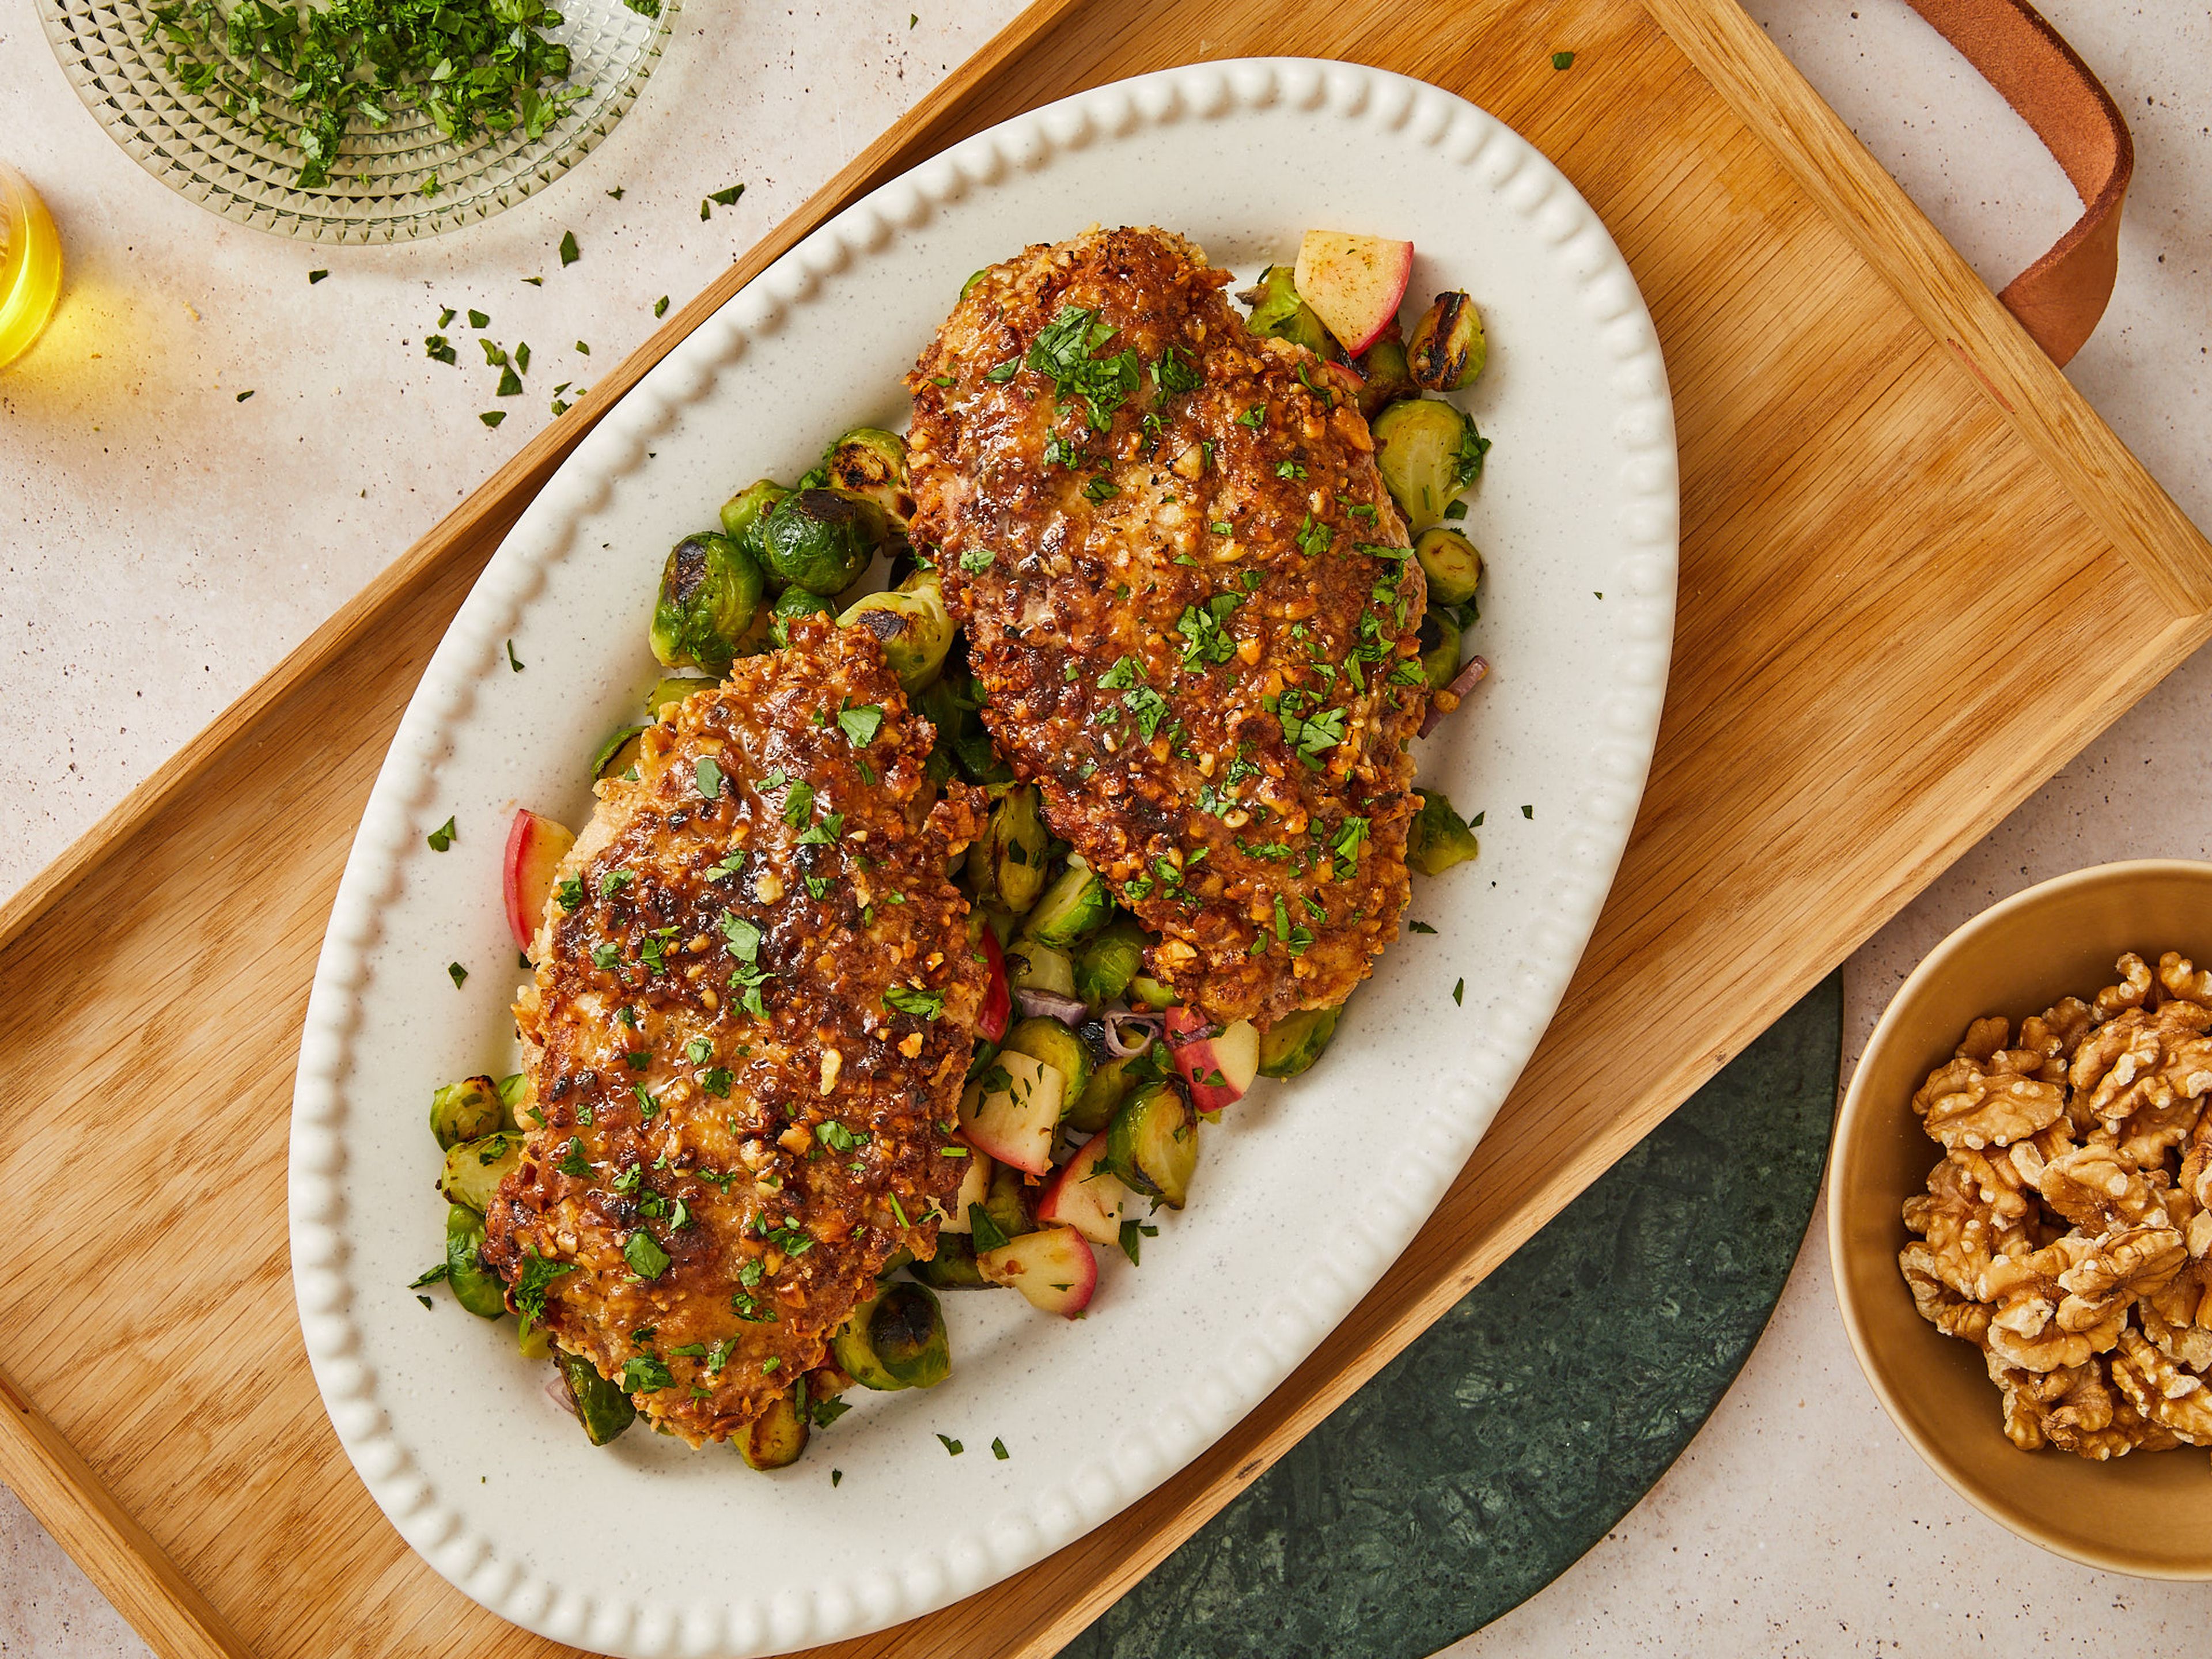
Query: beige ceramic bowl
[(2149, 1514)]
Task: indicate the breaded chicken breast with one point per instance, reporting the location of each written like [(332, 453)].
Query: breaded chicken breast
[(754, 1003), (1190, 604)]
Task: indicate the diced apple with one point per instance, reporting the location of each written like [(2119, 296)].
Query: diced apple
[(997, 1000), (1012, 1119), (1354, 283), (975, 1188), (1053, 1268), (535, 847), (1087, 1196), (1218, 1063)]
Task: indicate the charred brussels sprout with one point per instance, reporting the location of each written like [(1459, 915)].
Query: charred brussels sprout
[(1010, 1203), (474, 1285), (1451, 563), (1277, 310), (820, 540), (710, 590), (1109, 960), (1293, 1042), (1447, 351), (1384, 376), (742, 513), (1438, 837), (794, 603), (475, 1168), (467, 1110), (953, 1268), (1006, 863), (776, 1438), (1111, 1078), (666, 694), (853, 1350), (913, 624), (1439, 638), (1051, 1043), (1152, 1143), (906, 1331), (870, 462), (1428, 453), (1073, 909), (601, 1406)]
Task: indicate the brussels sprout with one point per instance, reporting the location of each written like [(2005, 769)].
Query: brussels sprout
[(795, 602), (1451, 563), (1006, 862), (474, 1285), (1105, 965), (853, 1350), (906, 1331), (665, 693), (1034, 966), (820, 540), (1110, 1083), (475, 1168), (601, 1406), (954, 1267), (1428, 453), (1149, 993), (1277, 310), (913, 624), (467, 1110), (1439, 639), (742, 513), (710, 590), (1293, 1042), (870, 463), (1152, 1143), (1438, 837), (532, 1341), (1010, 1203), (619, 752), (1448, 350), (1384, 377), (1051, 1043), (776, 1438), (514, 1089), (1073, 909)]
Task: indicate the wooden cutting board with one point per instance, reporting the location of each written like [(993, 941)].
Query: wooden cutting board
[(1918, 574)]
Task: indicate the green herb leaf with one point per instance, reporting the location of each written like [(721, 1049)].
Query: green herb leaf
[(441, 838), (661, 307), (492, 416), (1459, 992), (430, 1276), (478, 319), (314, 276), (1562, 60), (243, 396), (952, 1447), (988, 1235), (726, 197), (923, 1005), (642, 1373), (569, 254), (530, 1285), (861, 724), (709, 777), (456, 973), (999, 1450), (644, 1254)]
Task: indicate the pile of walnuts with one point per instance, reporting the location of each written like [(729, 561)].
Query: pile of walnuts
[(2066, 1232)]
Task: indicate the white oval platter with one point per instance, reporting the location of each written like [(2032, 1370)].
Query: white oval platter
[(1308, 1190)]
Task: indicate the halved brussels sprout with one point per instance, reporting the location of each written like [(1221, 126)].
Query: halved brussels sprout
[(870, 462), (821, 540), (913, 624), (474, 1285), (1438, 837), (1428, 453), (1448, 350), (1439, 639), (475, 1168), (954, 1267), (1073, 909), (619, 752), (742, 513), (1451, 562), (902, 1257), (776, 1438), (792, 603), (1034, 966), (1293, 1042), (1052, 1044), (854, 1353), (1277, 310), (1006, 862), (1149, 993), (467, 1110), (601, 1406), (532, 1341), (710, 590), (1384, 376), (1152, 1143), (1010, 1203), (665, 693), (1105, 964), (906, 1329), (1107, 1087)]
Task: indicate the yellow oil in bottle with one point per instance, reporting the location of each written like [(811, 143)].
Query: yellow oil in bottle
[(30, 265)]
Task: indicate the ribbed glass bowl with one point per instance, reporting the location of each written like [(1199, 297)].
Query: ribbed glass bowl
[(376, 192)]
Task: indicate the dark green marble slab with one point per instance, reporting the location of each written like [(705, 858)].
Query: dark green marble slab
[(1487, 1458)]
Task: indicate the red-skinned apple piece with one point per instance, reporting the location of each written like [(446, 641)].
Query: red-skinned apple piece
[(1012, 1121), (1354, 283), (1052, 1268), (997, 1000), (535, 847), (1087, 1197), (1219, 1064)]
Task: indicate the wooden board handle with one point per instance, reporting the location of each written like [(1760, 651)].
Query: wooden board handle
[(2060, 297)]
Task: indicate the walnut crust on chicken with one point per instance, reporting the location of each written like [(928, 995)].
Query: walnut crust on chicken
[(754, 1005), (2067, 1233), (1189, 603)]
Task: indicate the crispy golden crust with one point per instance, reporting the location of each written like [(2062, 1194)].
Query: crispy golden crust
[(727, 1169), (1190, 606)]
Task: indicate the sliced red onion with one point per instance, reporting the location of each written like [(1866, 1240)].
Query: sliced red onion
[(1464, 681), (1122, 1021), (557, 1392), (1068, 1010)]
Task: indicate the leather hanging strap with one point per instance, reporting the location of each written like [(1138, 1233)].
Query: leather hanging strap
[(2060, 297)]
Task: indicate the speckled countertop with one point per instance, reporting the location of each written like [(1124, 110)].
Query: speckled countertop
[(162, 544)]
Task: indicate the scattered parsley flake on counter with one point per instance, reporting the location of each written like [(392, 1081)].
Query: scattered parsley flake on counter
[(952, 1447), (1420, 927), (441, 838), (726, 197), (514, 662), (510, 383), (535, 282), (706, 209), (314, 276), (492, 416), (1475, 822), (661, 307), (456, 973), (569, 254), (522, 357), (243, 396), (1459, 992), (999, 1450), (1528, 811), (494, 354), (1562, 60), (911, 18), (581, 347), (446, 317), (424, 1300), (836, 1475), (645, 1257), (478, 319)]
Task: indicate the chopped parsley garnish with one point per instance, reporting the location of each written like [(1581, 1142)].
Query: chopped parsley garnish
[(1289, 469), (455, 972), (1311, 735), (530, 1285), (1346, 845), (574, 1164), (1528, 811), (431, 1276), (1562, 60), (791, 1240), (1314, 537), (1099, 490), (799, 803), (437, 346), (952, 1447), (514, 662), (1459, 992), (999, 1450), (637, 1060), (861, 724), (1133, 1233), (1205, 640), (1255, 418), (1295, 940), (709, 777), (648, 1107), (988, 1235), (745, 937), (976, 560), (569, 254), (607, 958), (644, 1374), (1175, 375), (1149, 706), (837, 1138), (1456, 510), (615, 880), (699, 1051), (729, 866), (441, 838), (1419, 927), (726, 197), (1126, 673), (1005, 372), (644, 1254), (922, 1004), (1063, 351)]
